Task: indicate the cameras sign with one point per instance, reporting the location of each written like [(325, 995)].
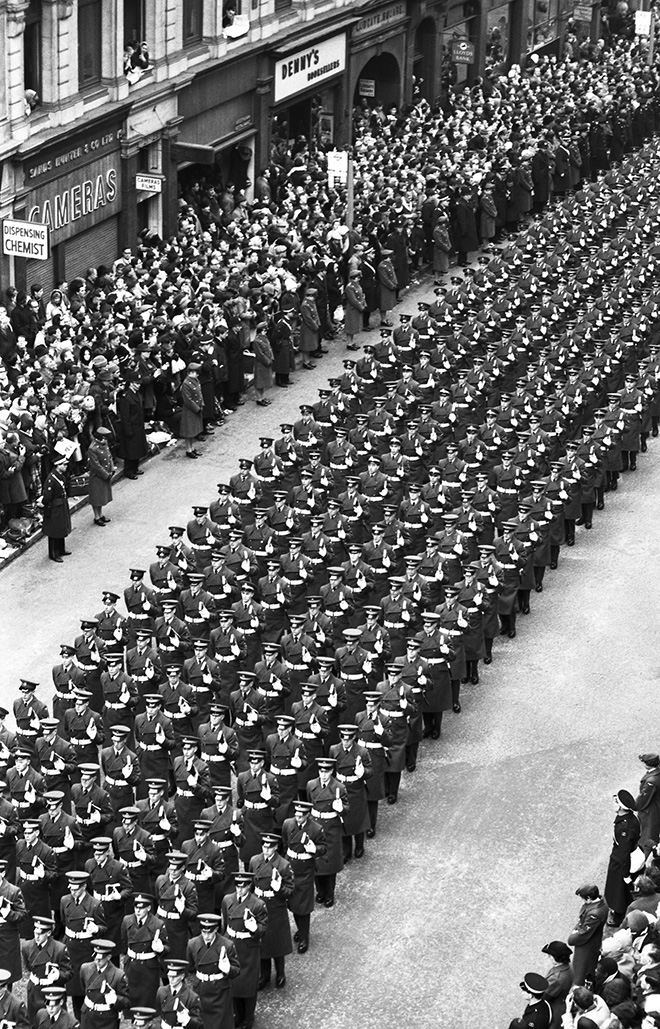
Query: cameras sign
[(462, 51), (25, 239)]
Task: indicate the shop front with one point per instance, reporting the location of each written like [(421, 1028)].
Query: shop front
[(378, 57), (72, 186), (463, 49), (216, 139), (308, 92)]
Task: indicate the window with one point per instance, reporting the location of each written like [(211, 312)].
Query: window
[(192, 21), (281, 5), (32, 47), (133, 21), (90, 47), (543, 23)]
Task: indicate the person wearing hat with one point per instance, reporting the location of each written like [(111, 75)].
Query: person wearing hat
[(111, 627), (249, 710), (537, 1013), (176, 1002), (627, 832), (12, 1010), (398, 614), (303, 839), (83, 918), (61, 832), (120, 694), (131, 435), (329, 800), (36, 869), (250, 621), (120, 766), (105, 988), (53, 1011), (560, 979), (387, 286), (143, 662), (246, 490), (46, 962), (273, 591), (141, 604), (191, 426), (157, 816), (355, 305), (28, 712), (258, 797), (165, 575), (229, 650), (154, 741), (435, 647), (311, 727), (219, 745), (172, 635), (197, 605), (587, 935), (8, 744), (101, 468), (110, 883), (214, 961), (134, 848), (310, 328), (12, 913), (179, 704), (648, 801), (66, 675), (203, 673), (374, 736), (274, 884), (25, 785), (176, 902), (286, 757), (193, 786), (56, 523), (352, 769), (145, 942), (205, 864), (244, 921), (90, 805), (225, 829)]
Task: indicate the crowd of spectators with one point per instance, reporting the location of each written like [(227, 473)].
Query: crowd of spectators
[(430, 186)]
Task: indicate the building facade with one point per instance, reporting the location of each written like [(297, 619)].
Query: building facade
[(111, 107)]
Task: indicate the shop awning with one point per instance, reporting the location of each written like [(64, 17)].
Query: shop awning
[(193, 153)]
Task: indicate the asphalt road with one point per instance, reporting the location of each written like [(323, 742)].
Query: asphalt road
[(475, 869)]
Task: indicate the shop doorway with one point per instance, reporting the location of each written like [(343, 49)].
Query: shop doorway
[(424, 61), (231, 164), (379, 82)]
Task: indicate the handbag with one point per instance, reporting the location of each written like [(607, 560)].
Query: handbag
[(78, 485)]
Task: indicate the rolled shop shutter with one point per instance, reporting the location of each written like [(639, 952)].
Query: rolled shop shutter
[(99, 245), (41, 273)]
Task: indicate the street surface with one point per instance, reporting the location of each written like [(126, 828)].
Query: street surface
[(475, 869)]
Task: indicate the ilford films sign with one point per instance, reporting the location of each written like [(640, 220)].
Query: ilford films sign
[(305, 68)]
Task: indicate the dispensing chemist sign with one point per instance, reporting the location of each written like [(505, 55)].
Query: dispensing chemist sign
[(307, 67), (25, 239)]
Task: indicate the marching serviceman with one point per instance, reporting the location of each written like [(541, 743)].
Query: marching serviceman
[(303, 840), (105, 989), (329, 801), (274, 884), (145, 944), (244, 921), (213, 959), (177, 1004), (46, 962)]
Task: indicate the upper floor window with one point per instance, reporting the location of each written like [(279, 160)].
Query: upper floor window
[(193, 21), (134, 27), (90, 44), (32, 48)]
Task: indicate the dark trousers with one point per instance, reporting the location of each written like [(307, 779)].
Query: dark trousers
[(131, 465), (569, 530), (455, 690), (372, 808), (265, 967), (411, 756), (432, 722), (302, 925), (244, 1008), (554, 554), (56, 546), (587, 515), (392, 781), (325, 886), (347, 842), (523, 601), (539, 572)]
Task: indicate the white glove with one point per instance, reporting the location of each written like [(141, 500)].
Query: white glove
[(180, 903), (67, 839), (139, 851), (309, 845), (183, 1016), (91, 730), (118, 633), (266, 791), (249, 921), (224, 963), (296, 760), (94, 814), (276, 881), (157, 944), (110, 996), (159, 734), (127, 770), (359, 767), (338, 804)]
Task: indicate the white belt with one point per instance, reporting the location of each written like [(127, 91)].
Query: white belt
[(236, 934), (305, 735), (116, 782), (146, 956), (39, 982), (283, 771), (96, 1007), (255, 806), (295, 668), (78, 936), (371, 746), (86, 742), (63, 696), (347, 778), (172, 915), (199, 689), (345, 675), (325, 815), (214, 757), (264, 893), (115, 707), (149, 746), (211, 977), (184, 793), (396, 714), (226, 657), (300, 857)]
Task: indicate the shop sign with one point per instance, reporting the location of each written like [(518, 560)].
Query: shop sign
[(367, 87), (25, 239), (149, 183), (305, 68), (376, 21), (67, 156), (582, 12), (462, 52), (337, 167), (78, 200)]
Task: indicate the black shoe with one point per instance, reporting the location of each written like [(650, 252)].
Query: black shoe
[(192, 453), (104, 518), (263, 982), (296, 937), (139, 472), (329, 902), (600, 507), (309, 366), (457, 708), (410, 768), (539, 588), (99, 521), (474, 679), (371, 833), (319, 898), (488, 660), (633, 468), (390, 800), (504, 632), (512, 634), (66, 553), (643, 448), (303, 946), (426, 733), (127, 476), (587, 525), (359, 852), (58, 560), (280, 981), (553, 565), (570, 543), (435, 735)]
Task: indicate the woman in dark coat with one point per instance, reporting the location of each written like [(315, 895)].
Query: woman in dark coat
[(282, 344), (235, 384), (627, 830), (101, 468), (263, 364), (368, 283), (131, 436), (464, 227), (192, 406), (57, 518)]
